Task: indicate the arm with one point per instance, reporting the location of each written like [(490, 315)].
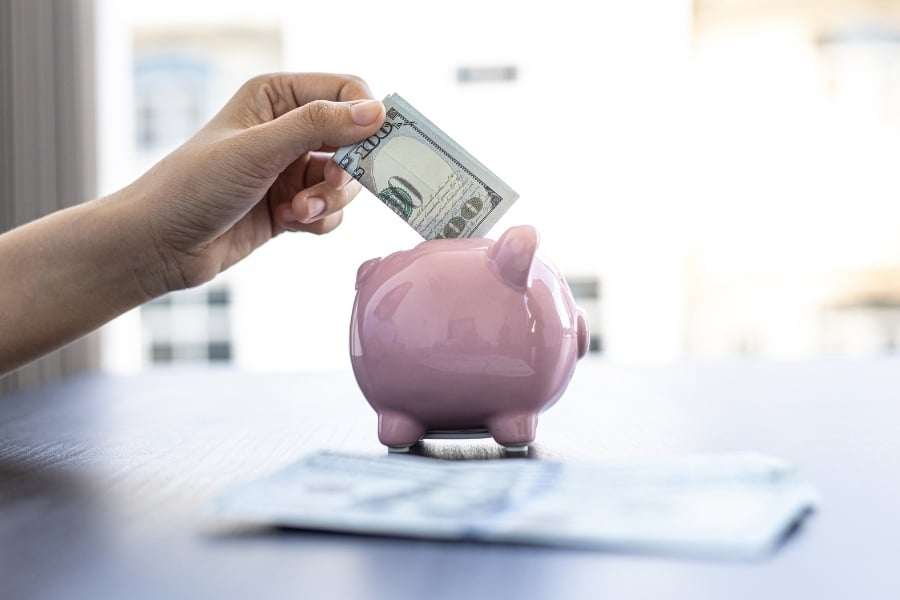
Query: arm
[(68, 273), (259, 168)]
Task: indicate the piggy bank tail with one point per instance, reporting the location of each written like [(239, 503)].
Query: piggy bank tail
[(582, 332)]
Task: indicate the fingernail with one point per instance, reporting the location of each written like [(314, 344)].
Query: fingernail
[(314, 208), (345, 178), (365, 113)]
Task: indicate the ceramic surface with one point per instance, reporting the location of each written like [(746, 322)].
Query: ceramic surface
[(464, 337)]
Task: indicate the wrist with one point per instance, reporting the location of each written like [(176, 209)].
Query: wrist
[(138, 266)]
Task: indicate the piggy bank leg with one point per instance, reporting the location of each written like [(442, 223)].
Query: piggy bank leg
[(514, 432), (399, 431)]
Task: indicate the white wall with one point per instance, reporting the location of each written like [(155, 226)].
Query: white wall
[(641, 158), (581, 136)]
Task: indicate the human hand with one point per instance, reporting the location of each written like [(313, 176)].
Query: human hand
[(260, 167)]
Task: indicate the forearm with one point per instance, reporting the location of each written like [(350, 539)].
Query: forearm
[(66, 274), (250, 174)]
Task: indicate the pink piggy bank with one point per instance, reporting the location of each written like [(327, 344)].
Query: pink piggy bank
[(464, 338)]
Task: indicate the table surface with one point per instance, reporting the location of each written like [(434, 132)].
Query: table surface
[(102, 479)]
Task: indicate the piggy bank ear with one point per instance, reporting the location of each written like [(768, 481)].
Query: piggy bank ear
[(365, 269), (511, 255)]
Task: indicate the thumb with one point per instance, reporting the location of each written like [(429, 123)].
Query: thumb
[(316, 125)]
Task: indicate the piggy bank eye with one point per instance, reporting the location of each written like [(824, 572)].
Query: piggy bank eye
[(511, 256)]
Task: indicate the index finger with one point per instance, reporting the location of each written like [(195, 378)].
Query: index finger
[(267, 97)]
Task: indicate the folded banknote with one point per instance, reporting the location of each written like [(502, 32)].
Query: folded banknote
[(733, 506), (425, 177)]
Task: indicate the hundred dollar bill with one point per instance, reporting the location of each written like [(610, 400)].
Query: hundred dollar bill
[(736, 506), (425, 177)]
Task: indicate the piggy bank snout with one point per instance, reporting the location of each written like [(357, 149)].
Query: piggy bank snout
[(364, 270)]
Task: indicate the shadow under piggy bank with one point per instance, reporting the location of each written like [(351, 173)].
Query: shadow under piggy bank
[(462, 338)]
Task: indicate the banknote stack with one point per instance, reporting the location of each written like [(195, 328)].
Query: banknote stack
[(425, 177), (730, 506)]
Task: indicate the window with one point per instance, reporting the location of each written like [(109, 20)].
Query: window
[(190, 326)]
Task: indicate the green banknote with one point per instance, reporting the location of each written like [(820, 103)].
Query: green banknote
[(726, 506), (425, 177)]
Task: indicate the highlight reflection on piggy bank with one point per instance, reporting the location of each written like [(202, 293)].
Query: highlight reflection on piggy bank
[(464, 338)]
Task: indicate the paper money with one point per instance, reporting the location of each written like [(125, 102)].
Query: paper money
[(733, 506), (425, 177)]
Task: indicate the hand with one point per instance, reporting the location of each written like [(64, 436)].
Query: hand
[(260, 167)]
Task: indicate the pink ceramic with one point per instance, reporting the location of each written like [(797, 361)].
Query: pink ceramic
[(464, 338)]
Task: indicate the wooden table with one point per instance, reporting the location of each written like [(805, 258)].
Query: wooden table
[(102, 479)]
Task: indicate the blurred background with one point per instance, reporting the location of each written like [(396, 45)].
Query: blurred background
[(715, 178)]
